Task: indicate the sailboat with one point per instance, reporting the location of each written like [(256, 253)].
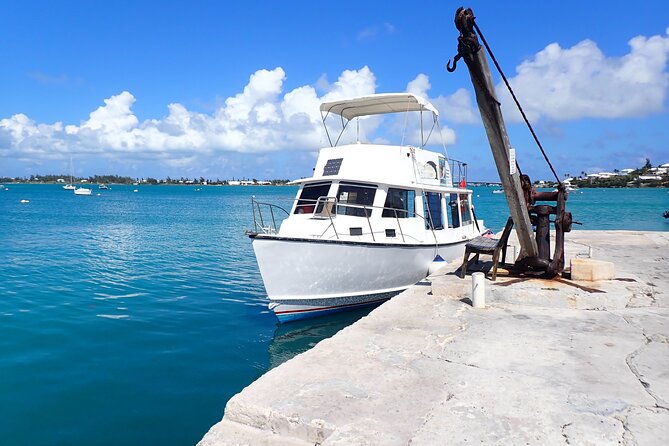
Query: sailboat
[(70, 185)]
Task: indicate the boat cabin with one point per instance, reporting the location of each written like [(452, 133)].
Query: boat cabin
[(378, 192)]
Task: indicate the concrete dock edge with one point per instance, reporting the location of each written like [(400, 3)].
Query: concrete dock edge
[(545, 362)]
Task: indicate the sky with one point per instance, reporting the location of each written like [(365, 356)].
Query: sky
[(231, 89)]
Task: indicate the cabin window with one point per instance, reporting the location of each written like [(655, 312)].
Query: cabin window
[(400, 203), (352, 199), (309, 196), (465, 210), (433, 217), (455, 214)]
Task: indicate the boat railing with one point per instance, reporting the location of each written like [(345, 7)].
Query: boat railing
[(326, 208), (265, 223), (329, 208), (458, 172)]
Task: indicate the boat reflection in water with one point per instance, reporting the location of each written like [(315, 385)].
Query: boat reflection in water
[(299, 336)]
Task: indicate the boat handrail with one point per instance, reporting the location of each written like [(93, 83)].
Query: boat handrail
[(319, 213), (269, 229), (458, 172), (325, 207)]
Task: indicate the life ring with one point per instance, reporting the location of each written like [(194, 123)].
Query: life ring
[(463, 184)]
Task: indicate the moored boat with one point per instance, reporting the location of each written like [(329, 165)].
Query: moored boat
[(82, 191), (368, 223), (70, 185)]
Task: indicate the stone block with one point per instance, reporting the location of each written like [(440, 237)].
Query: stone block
[(592, 270)]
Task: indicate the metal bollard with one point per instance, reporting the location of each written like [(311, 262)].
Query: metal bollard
[(478, 290)]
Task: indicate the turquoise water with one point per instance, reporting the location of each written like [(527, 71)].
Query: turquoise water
[(131, 318)]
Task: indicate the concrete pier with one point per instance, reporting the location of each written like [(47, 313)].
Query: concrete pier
[(545, 362)]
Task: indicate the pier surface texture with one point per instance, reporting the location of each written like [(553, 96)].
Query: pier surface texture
[(544, 363)]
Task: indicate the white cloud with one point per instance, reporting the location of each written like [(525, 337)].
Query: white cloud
[(373, 31), (582, 82), (48, 79), (258, 119), (456, 108), (419, 86)]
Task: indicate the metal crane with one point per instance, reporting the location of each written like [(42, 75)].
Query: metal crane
[(532, 220)]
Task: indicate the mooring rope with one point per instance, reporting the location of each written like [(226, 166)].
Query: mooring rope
[(513, 95)]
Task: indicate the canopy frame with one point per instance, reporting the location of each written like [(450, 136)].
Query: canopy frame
[(377, 104)]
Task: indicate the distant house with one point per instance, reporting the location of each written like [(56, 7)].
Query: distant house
[(234, 183), (60, 180), (650, 177), (626, 171), (665, 165)]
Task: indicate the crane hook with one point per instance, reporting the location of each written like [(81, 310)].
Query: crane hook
[(450, 68)]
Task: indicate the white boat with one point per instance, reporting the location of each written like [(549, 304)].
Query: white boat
[(368, 223), (82, 191), (102, 186), (498, 191)]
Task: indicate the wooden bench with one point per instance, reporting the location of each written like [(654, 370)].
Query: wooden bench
[(490, 246)]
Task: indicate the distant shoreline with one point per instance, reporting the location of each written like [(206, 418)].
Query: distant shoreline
[(77, 183), (547, 186)]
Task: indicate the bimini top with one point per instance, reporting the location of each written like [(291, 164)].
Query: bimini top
[(377, 104)]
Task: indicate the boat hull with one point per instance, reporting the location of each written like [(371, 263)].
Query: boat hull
[(306, 277)]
